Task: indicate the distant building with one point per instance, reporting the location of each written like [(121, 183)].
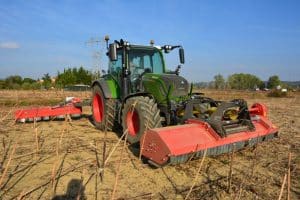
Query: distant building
[(283, 90), (77, 87)]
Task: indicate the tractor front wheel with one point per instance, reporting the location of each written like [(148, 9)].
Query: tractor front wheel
[(103, 109), (139, 114)]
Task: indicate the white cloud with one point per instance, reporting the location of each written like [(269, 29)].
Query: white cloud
[(9, 45)]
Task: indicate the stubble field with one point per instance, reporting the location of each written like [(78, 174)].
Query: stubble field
[(64, 159)]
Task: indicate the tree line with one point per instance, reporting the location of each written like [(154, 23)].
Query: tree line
[(69, 76), (72, 76), (241, 81)]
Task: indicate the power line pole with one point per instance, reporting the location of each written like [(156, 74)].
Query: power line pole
[(97, 50)]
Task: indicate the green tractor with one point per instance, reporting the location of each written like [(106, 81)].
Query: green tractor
[(159, 110), (137, 75)]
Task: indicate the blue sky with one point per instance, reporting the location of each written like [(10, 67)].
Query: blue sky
[(260, 37)]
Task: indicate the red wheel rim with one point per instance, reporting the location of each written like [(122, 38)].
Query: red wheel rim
[(132, 122), (98, 108)]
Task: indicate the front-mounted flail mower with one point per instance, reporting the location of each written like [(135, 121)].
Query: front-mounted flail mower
[(163, 116)]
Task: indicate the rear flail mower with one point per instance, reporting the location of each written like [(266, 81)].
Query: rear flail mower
[(163, 116)]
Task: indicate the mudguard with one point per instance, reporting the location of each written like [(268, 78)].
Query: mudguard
[(109, 88)]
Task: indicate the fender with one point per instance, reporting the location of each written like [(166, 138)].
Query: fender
[(109, 88), (138, 94)]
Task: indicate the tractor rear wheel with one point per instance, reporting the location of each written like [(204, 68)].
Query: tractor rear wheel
[(103, 109), (139, 114)]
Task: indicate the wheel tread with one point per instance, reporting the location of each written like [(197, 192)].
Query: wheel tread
[(149, 110), (109, 112)]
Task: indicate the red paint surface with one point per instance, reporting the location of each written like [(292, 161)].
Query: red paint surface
[(161, 143), (48, 111), (133, 123)]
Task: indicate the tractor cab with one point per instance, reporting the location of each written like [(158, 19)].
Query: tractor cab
[(140, 59), (145, 60), (129, 63)]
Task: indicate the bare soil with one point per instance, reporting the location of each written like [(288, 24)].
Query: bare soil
[(64, 159)]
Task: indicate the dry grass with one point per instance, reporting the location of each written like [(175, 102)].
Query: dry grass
[(57, 158)]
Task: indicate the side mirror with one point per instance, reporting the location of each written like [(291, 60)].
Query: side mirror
[(113, 52), (181, 55)]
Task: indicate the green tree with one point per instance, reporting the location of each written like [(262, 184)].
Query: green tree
[(219, 81), (72, 76), (273, 82), (2, 84), (13, 82), (65, 78), (47, 81), (28, 80), (36, 85), (244, 81), (84, 76), (26, 86)]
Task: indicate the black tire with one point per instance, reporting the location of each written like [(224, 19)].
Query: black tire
[(139, 114), (103, 109)]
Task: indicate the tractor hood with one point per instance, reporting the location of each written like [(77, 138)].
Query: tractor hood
[(162, 85), (179, 85)]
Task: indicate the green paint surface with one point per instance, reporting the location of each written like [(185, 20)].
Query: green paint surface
[(114, 88)]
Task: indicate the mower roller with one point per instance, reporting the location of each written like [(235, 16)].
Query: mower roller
[(169, 122), (72, 106)]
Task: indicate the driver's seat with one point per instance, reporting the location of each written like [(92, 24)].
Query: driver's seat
[(137, 84)]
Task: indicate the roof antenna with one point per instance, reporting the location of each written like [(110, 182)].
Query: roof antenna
[(151, 42)]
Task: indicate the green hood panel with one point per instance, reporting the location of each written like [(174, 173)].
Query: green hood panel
[(165, 86)]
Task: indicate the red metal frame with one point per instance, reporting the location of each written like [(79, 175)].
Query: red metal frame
[(48, 111), (258, 109), (162, 143)]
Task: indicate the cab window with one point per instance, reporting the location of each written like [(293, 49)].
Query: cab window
[(141, 60), (115, 67)]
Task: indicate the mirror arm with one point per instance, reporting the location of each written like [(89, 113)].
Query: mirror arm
[(177, 71)]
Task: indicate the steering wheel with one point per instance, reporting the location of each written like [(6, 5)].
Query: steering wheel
[(147, 70)]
